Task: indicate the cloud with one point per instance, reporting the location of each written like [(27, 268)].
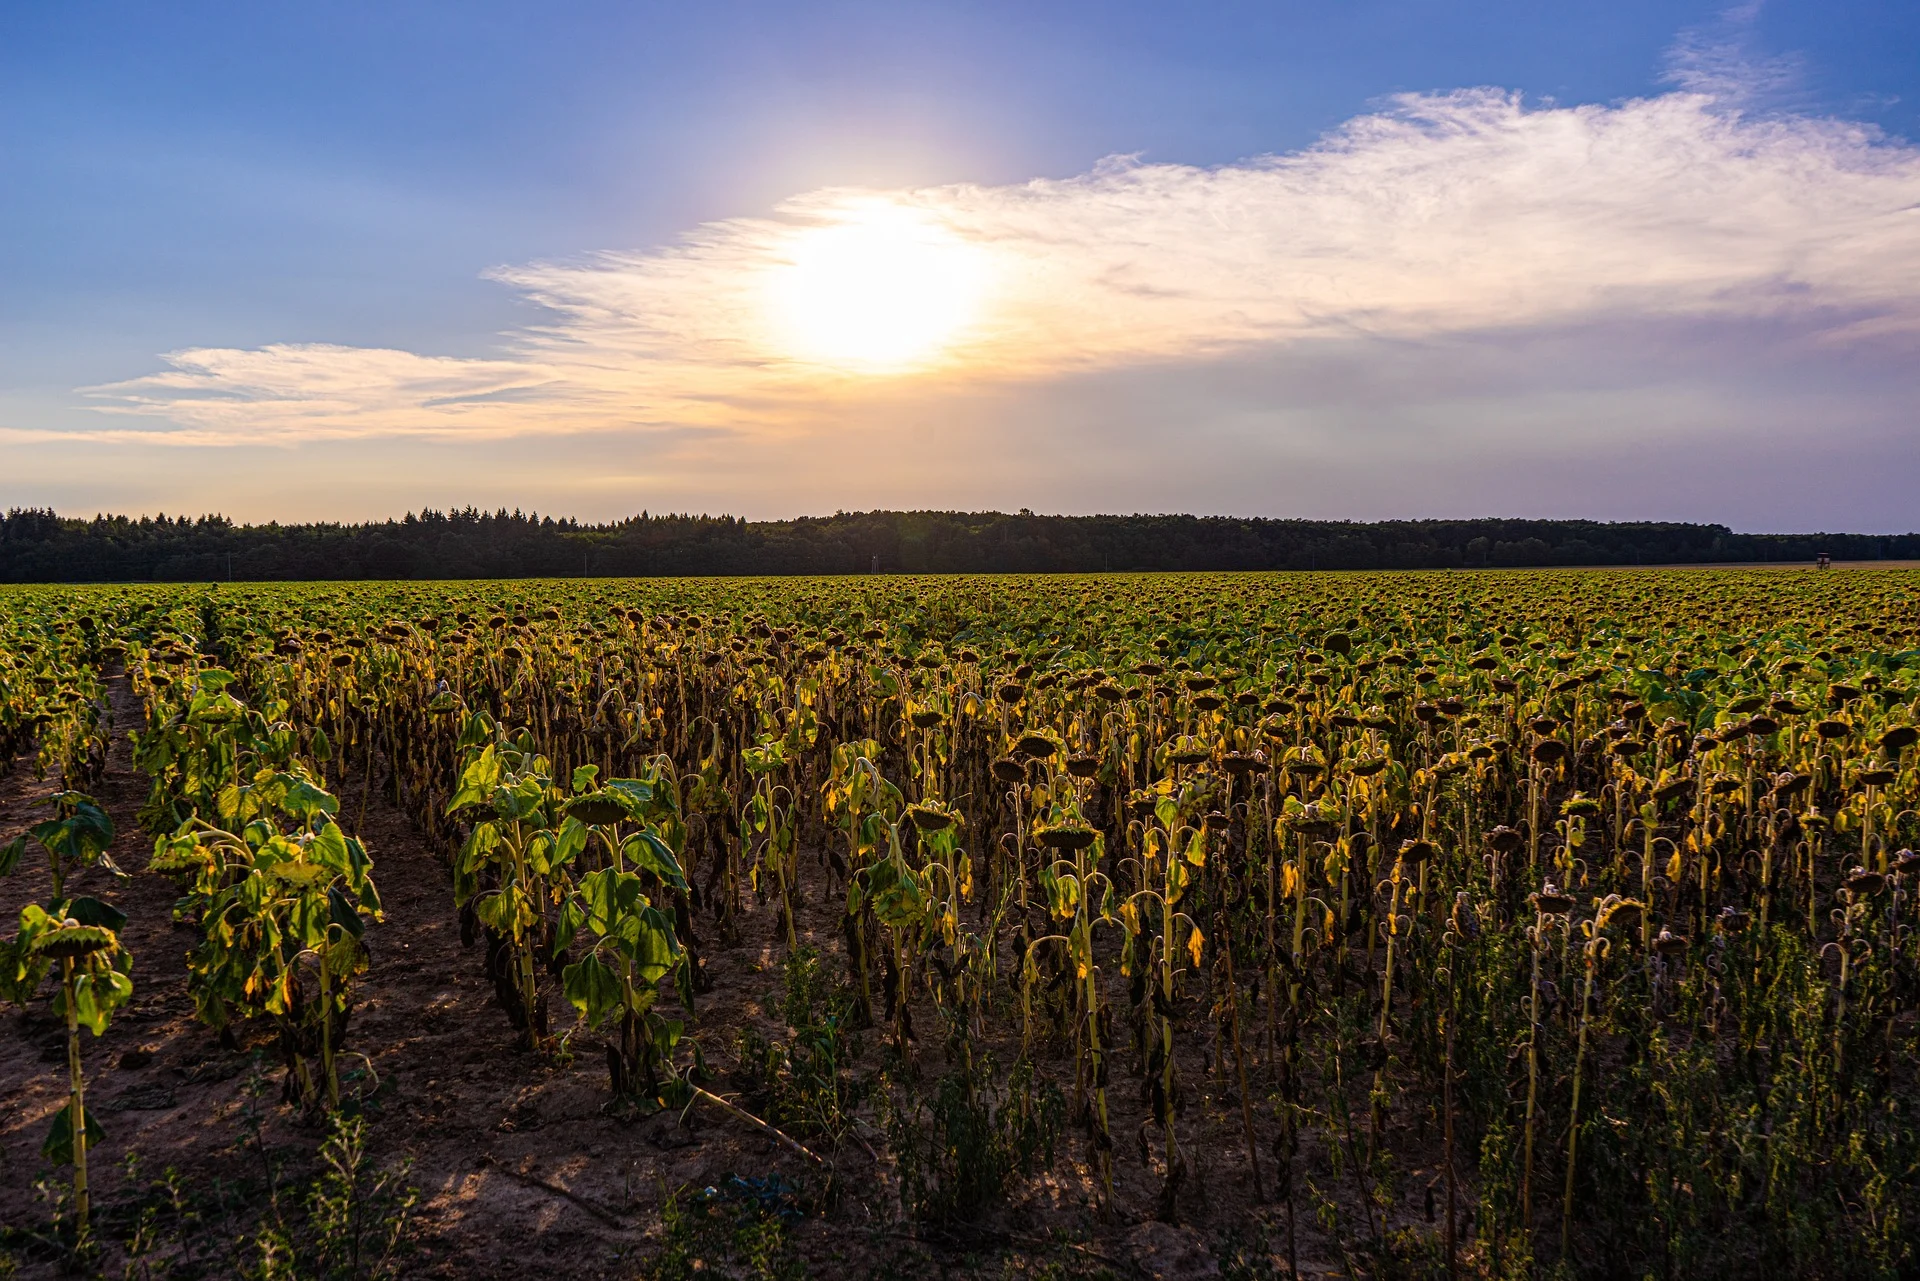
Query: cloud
[(1721, 59), (308, 391), (1463, 217)]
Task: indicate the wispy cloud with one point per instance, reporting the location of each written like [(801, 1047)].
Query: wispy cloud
[(1469, 214), (1722, 60), (295, 391)]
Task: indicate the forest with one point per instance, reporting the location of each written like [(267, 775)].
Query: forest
[(40, 546)]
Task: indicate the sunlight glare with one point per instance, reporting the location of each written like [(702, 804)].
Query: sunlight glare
[(884, 290)]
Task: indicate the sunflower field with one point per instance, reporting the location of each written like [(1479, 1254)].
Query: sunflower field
[(1490, 924)]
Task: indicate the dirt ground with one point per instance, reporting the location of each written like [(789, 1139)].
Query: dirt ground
[(518, 1166)]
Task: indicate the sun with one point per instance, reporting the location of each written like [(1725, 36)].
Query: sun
[(884, 289)]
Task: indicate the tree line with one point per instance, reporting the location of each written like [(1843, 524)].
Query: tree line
[(40, 546)]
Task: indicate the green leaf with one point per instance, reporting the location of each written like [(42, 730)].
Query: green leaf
[(303, 800), (571, 919), (59, 1145), (21, 969), (477, 729), (539, 854), (481, 843), (91, 911), (496, 912), (478, 780), (667, 1033), (568, 842), (611, 898), (520, 799), (369, 896), (90, 816), (10, 854), (80, 838), (329, 849), (657, 951), (343, 912), (474, 855), (639, 795), (683, 986), (592, 987), (34, 919), (96, 995), (211, 707), (646, 851), (768, 755)]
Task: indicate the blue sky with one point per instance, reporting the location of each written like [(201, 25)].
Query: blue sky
[(371, 187)]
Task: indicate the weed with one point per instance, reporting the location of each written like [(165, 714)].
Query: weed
[(960, 1151), (804, 1084), (736, 1231)]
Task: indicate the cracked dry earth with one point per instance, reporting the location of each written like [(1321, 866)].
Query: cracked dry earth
[(518, 1166)]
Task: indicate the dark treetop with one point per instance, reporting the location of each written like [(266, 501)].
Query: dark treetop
[(39, 546)]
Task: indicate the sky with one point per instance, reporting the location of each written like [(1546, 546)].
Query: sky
[(1371, 260)]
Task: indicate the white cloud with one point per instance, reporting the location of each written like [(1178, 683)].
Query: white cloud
[(304, 391), (1721, 59), (1460, 216)]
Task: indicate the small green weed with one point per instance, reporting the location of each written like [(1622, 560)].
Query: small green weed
[(736, 1231), (961, 1152), (804, 1084)]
